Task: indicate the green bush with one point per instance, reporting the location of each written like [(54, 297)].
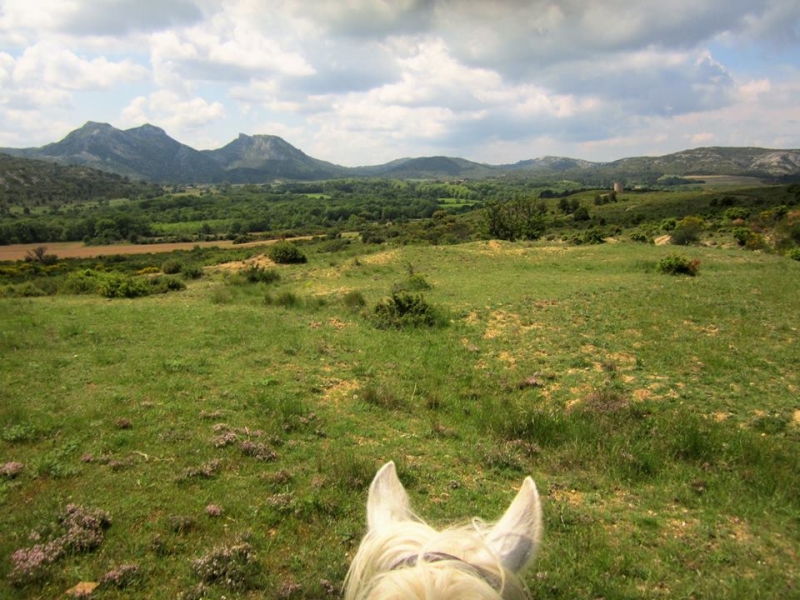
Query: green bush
[(402, 309), (192, 272), (687, 231), (794, 254), (678, 265), (162, 285), (285, 253), (85, 281), (23, 290), (122, 286), (736, 213), (258, 274), (741, 235), (171, 267)]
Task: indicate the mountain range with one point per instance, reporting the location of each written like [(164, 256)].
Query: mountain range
[(149, 154)]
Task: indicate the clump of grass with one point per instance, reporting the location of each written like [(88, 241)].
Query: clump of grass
[(180, 524), (382, 397), (354, 300), (348, 470), (286, 299), (19, 433)]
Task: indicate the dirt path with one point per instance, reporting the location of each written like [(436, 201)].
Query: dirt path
[(78, 250)]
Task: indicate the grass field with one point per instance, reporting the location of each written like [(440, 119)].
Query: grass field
[(230, 430)]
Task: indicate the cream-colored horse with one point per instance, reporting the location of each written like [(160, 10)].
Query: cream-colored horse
[(402, 558)]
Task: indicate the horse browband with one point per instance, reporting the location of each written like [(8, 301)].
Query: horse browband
[(432, 557)]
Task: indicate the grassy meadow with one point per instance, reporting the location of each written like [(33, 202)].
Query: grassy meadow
[(229, 431)]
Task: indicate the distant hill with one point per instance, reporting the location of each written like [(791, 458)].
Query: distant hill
[(145, 152), (437, 167), (46, 183), (259, 158), (148, 153)]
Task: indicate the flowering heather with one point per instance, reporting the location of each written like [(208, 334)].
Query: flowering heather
[(225, 439), (233, 567), (82, 531), (121, 577), (258, 450), (208, 470), (84, 527), (212, 510), (11, 470), (123, 423)]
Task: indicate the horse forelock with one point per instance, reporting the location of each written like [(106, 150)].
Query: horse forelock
[(395, 564)]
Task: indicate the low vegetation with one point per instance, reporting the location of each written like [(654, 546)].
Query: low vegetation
[(217, 440)]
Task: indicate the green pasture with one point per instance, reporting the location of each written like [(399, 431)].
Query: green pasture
[(658, 414)]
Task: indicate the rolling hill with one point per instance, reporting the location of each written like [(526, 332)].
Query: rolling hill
[(148, 153)]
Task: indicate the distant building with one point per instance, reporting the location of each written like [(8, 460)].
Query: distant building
[(618, 187)]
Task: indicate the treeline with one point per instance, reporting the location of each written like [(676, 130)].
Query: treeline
[(231, 211)]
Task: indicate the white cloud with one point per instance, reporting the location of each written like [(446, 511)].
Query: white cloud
[(367, 80), (47, 64), (172, 112)]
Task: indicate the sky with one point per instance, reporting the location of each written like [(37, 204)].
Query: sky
[(364, 82)]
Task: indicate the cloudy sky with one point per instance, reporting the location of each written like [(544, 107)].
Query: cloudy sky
[(361, 82)]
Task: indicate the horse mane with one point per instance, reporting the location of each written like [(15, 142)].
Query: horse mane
[(413, 561)]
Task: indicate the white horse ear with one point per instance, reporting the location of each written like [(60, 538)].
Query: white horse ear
[(388, 501), (515, 539)]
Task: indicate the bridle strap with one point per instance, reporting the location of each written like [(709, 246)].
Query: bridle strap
[(433, 557)]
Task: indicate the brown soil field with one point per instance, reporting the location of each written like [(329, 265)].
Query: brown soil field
[(78, 250)]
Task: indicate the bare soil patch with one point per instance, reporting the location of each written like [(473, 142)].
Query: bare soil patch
[(78, 250)]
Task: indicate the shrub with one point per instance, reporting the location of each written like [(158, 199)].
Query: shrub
[(593, 236), (259, 274), (755, 241), (162, 285), (192, 272), (171, 267), (678, 265), (736, 213), (687, 231), (122, 286), (741, 235), (285, 253), (794, 254), (23, 290), (402, 309), (668, 224)]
